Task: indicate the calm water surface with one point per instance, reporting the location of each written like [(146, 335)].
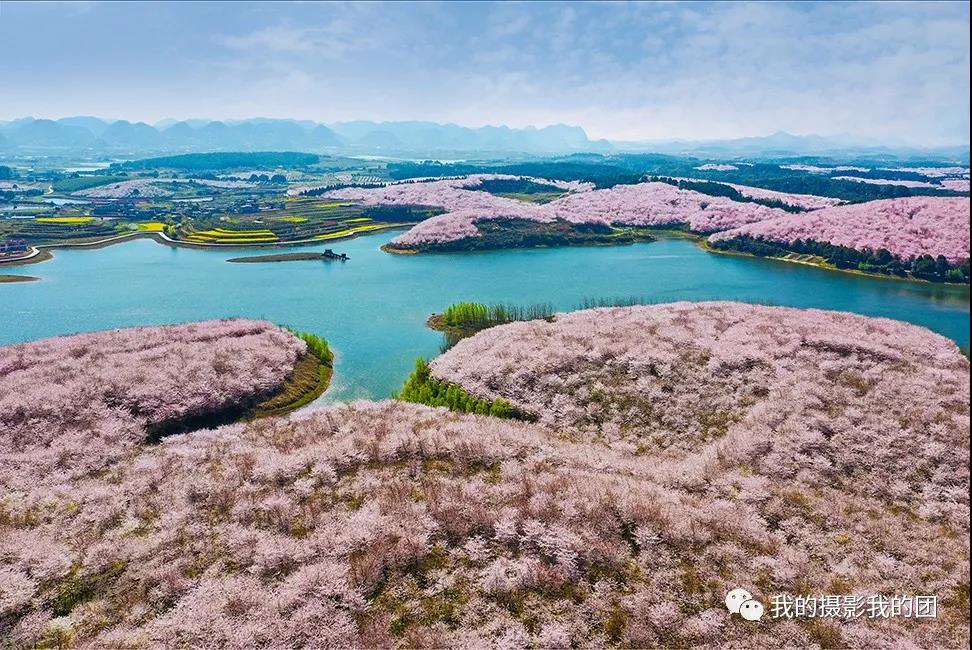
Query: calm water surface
[(373, 308)]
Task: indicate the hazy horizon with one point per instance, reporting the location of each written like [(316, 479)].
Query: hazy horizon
[(897, 73), (166, 122)]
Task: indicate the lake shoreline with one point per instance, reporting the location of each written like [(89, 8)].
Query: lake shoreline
[(41, 256), (300, 389), (648, 235), (374, 311), (825, 266)]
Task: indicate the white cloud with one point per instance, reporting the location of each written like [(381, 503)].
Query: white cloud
[(626, 71)]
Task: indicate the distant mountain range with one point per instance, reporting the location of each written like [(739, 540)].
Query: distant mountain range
[(786, 145), (121, 138), (93, 136)]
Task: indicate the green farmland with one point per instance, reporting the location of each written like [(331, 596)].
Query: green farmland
[(300, 219), (58, 230)]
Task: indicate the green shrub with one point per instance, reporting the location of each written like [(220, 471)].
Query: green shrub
[(475, 315), (317, 345), (422, 388)]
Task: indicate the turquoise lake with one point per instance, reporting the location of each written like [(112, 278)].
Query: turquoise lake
[(373, 308)]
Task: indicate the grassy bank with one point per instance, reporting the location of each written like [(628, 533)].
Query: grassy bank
[(388, 248), (463, 319), (17, 278), (478, 316), (309, 380)]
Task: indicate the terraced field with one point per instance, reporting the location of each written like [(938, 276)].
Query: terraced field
[(300, 219), (284, 232), (54, 230), (227, 236), (67, 221)]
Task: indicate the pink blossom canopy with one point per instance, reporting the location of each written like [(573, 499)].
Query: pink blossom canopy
[(906, 227), (682, 450), (643, 204)]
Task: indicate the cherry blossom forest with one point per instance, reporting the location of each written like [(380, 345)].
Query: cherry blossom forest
[(675, 452), (906, 227), (570, 325), (629, 465)]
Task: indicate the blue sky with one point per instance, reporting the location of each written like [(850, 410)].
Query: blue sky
[(894, 71)]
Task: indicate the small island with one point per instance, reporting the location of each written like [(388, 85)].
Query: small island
[(291, 257), (6, 277)]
